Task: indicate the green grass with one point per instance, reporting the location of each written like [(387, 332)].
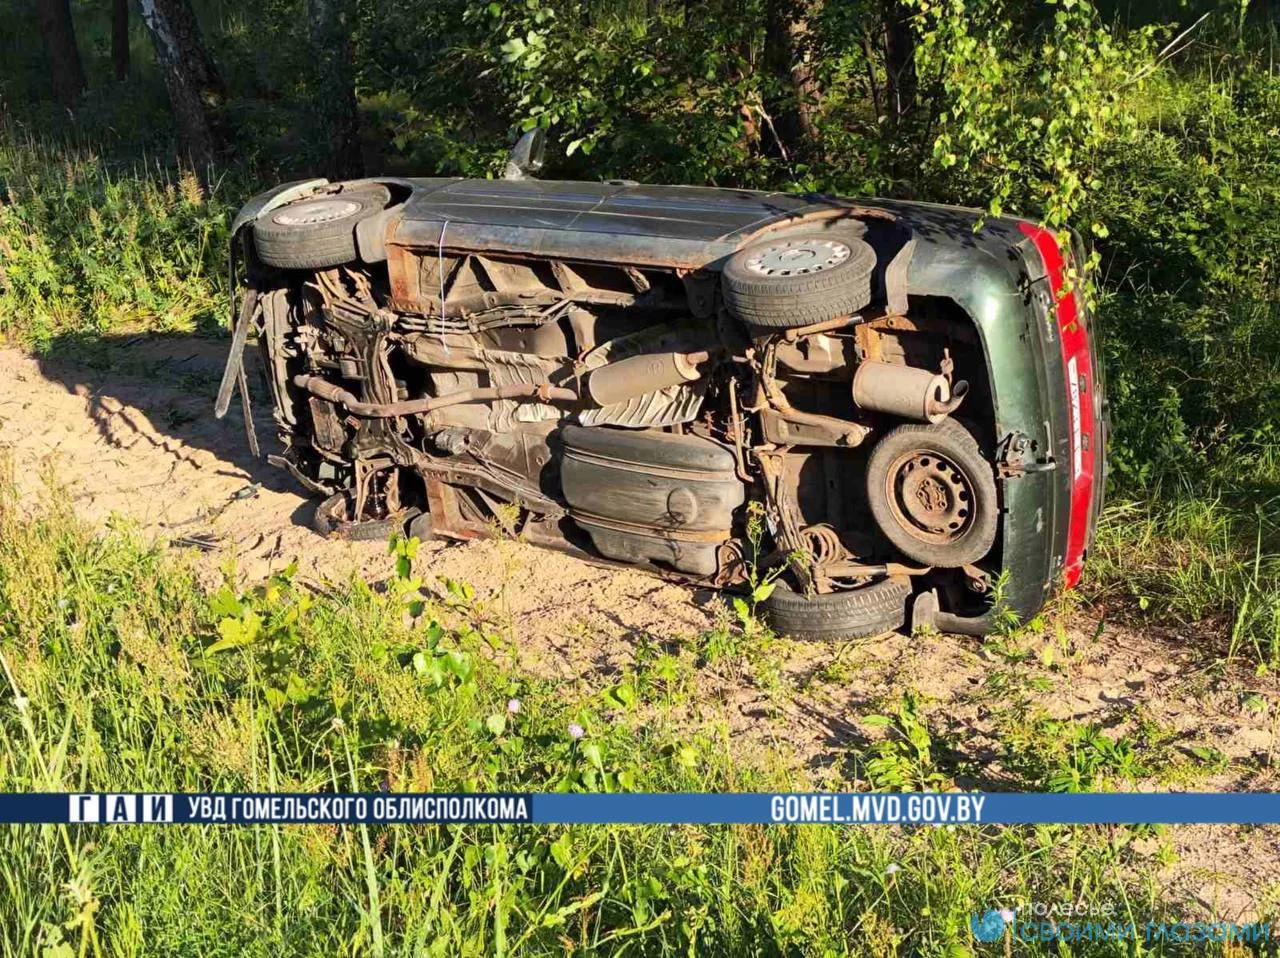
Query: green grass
[(1206, 564), (89, 247), (121, 673)]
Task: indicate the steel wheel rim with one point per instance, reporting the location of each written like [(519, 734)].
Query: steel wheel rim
[(314, 212), (930, 497), (798, 257)]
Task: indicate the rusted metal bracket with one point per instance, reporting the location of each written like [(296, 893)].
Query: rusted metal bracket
[(233, 373), (810, 428), (1013, 457)]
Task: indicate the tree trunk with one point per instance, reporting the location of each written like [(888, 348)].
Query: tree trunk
[(790, 64), (330, 23), (899, 61), (804, 80), (191, 79), (58, 34), (120, 38)]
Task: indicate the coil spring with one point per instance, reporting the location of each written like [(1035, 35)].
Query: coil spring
[(823, 543)]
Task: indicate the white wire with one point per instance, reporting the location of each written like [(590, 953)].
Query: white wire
[(440, 269)]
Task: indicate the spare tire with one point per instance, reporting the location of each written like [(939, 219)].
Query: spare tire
[(316, 232), (858, 613), (798, 280)]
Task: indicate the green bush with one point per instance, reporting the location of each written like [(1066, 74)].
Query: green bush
[(87, 248), (1189, 279)]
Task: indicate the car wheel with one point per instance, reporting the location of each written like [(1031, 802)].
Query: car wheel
[(331, 518), (318, 231), (791, 281), (868, 610), (933, 493)]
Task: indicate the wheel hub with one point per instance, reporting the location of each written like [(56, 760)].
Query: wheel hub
[(931, 497), (798, 257), (311, 212)]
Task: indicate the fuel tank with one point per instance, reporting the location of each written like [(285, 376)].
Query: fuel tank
[(651, 496)]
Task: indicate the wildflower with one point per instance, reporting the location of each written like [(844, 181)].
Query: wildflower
[(1007, 915), (892, 868), (576, 731), (513, 706), (62, 603), (337, 724)]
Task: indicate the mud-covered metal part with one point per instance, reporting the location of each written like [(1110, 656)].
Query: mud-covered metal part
[(278, 342), (906, 391), (978, 580), (246, 408), (311, 485), (411, 407), (636, 375), (780, 499), (235, 357), (815, 354), (860, 570), (651, 496), (790, 426), (826, 326), (1015, 457)]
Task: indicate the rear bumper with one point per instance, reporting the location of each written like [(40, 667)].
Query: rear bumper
[(1079, 449), (1046, 387)]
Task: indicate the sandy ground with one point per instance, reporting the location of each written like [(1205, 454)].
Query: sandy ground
[(129, 432)]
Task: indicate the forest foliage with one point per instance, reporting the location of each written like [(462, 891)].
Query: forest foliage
[(1151, 128)]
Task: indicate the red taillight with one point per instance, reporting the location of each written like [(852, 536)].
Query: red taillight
[(1078, 368)]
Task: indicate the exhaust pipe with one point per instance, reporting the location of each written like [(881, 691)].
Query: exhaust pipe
[(906, 391), (542, 392)]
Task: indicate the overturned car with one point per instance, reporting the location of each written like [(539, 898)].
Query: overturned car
[(876, 405)]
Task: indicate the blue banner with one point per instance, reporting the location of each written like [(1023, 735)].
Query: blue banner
[(843, 808)]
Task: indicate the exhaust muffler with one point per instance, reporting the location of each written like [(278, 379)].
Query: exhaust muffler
[(637, 375), (906, 391)]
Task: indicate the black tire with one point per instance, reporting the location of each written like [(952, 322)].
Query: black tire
[(830, 277), (316, 232), (856, 614), (330, 519), (933, 494), (422, 527)]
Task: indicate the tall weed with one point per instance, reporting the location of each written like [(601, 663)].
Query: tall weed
[(88, 248)]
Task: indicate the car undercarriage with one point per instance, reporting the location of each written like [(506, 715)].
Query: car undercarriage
[(786, 411)]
